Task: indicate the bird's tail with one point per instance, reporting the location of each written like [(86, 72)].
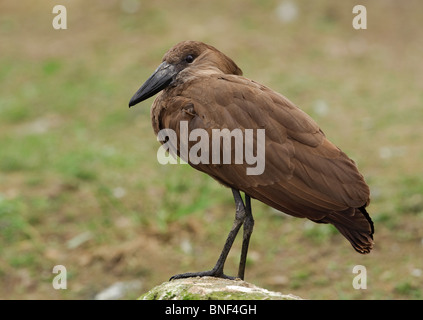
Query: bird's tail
[(356, 225)]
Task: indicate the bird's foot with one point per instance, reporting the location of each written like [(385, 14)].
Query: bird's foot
[(210, 273)]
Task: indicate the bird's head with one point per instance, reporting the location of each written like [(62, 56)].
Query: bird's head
[(181, 60)]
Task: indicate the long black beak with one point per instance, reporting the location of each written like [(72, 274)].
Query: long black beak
[(159, 80)]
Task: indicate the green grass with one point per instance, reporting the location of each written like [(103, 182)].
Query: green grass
[(75, 160)]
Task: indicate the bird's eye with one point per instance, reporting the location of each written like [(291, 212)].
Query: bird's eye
[(189, 58)]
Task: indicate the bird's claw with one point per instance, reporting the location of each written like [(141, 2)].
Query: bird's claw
[(210, 273)]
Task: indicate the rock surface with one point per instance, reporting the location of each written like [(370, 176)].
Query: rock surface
[(210, 288)]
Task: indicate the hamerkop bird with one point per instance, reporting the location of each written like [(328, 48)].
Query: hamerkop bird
[(305, 175)]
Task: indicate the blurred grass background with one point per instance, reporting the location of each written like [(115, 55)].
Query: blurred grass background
[(80, 185)]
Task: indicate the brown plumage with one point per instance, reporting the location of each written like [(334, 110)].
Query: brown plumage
[(305, 174)]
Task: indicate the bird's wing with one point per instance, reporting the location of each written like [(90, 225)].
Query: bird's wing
[(305, 175)]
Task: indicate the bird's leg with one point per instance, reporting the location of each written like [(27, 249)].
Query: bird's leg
[(248, 230), (217, 271)]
